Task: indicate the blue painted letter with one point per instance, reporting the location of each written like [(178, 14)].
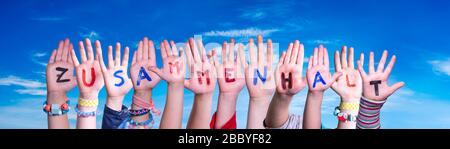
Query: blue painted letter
[(142, 75), (257, 73), (116, 74), (318, 77)]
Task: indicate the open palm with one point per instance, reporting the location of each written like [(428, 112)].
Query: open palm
[(144, 58), (290, 68), (318, 74), (60, 68), (349, 84), (202, 73), (230, 71)]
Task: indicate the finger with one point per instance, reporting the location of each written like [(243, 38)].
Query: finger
[(389, 67), (242, 55), (282, 59), (371, 64), (301, 55), (335, 77), (163, 51), (189, 57), (59, 51), (293, 58), (156, 70), (310, 62), (326, 59), (99, 51), (315, 55), (65, 52), (69, 58), (337, 62), (202, 50), (351, 62), (251, 48), (90, 51), (214, 58), (74, 58), (117, 59), (224, 52), (133, 60), (194, 50), (82, 51), (52, 57), (126, 55), (288, 53), (320, 58), (260, 50), (269, 57), (360, 67), (361, 58), (238, 61), (145, 49), (382, 61), (231, 51), (344, 57), (174, 48), (139, 51), (110, 57), (395, 87), (152, 55)]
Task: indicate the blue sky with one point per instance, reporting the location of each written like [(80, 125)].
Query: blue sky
[(416, 31)]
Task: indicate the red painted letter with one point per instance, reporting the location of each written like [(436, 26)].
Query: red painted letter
[(83, 75)]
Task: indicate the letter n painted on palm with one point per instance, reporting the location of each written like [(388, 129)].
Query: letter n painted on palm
[(257, 75)]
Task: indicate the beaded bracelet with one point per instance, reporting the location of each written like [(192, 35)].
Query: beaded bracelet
[(148, 123), (344, 117), (85, 114), (87, 103), (56, 109), (146, 105), (139, 112)]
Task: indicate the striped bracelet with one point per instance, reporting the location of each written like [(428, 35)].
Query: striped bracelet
[(369, 114)]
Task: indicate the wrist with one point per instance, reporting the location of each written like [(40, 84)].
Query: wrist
[(115, 103), (56, 97), (228, 95), (90, 96), (204, 96)]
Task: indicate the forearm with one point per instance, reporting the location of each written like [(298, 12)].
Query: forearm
[(226, 107), (201, 112), (87, 122), (61, 121), (312, 114), (173, 110), (257, 111), (145, 95), (348, 110), (278, 112), (369, 114)]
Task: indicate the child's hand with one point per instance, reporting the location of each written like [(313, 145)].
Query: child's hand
[(89, 76), (375, 85), (318, 73), (230, 71), (349, 85), (288, 75), (144, 58), (259, 73), (174, 69), (60, 78), (116, 77), (202, 76)]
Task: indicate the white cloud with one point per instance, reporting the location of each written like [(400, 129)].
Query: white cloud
[(256, 14), (241, 32), (93, 35), (39, 54), (318, 41), (32, 91), (441, 66), (31, 87)]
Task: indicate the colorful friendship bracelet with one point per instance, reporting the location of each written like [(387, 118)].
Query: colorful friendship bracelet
[(148, 123), (139, 112), (349, 106), (369, 114), (146, 105), (85, 114), (87, 103), (344, 117), (56, 109)]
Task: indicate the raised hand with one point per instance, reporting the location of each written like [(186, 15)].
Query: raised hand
[(349, 84), (144, 58), (202, 73), (288, 74), (230, 72), (375, 84), (60, 68), (259, 73), (89, 76), (117, 82), (174, 69), (318, 73)]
